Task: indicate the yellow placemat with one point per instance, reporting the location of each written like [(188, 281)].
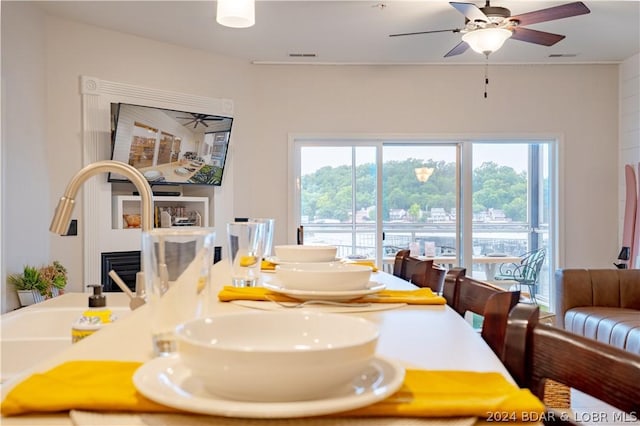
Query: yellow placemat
[(267, 266), (108, 386), (421, 296)]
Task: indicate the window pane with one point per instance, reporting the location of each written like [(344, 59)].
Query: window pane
[(509, 209), (419, 199), (338, 196)]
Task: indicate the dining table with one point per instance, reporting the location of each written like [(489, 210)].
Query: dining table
[(430, 337)]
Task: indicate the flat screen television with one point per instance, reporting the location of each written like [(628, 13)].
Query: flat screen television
[(170, 147)]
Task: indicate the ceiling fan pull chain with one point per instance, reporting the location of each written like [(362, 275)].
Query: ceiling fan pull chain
[(486, 76)]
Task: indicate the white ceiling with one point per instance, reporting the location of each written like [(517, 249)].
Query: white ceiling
[(358, 31)]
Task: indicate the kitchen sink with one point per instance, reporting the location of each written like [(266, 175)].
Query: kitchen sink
[(46, 323), (33, 334)]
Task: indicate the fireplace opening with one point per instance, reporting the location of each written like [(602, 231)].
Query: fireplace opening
[(125, 263)]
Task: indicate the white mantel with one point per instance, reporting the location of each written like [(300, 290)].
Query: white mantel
[(97, 96)]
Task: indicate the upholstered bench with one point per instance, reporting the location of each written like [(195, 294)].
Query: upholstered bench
[(602, 304)]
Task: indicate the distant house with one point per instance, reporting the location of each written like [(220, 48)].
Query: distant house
[(496, 215), (397, 214), (438, 214), (362, 215)]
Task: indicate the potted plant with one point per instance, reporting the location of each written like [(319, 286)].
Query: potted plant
[(55, 277), (37, 284), (29, 284)]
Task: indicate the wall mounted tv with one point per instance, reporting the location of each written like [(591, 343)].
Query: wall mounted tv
[(170, 147)]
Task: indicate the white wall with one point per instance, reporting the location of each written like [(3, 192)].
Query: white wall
[(629, 93), (25, 170), (579, 103)]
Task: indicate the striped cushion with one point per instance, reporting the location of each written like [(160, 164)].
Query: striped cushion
[(616, 326)]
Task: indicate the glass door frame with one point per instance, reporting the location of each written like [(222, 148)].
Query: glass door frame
[(294, 184), (464, 185)]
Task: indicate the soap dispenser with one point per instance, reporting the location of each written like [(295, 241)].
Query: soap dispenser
[(94, 318)]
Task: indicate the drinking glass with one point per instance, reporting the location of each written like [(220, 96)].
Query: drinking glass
[(267, 236), (245, 252), (176, 264)]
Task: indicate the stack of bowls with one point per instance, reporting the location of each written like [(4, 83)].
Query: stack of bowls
[(313, 268)]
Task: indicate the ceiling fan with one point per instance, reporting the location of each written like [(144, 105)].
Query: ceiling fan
[(487, 28), (196, 119)]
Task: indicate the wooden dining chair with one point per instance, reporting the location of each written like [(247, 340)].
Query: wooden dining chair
[(492, 303), (430, 277), (436, 278), (535, 352), (416, 271), (450, 285), (398, 263)]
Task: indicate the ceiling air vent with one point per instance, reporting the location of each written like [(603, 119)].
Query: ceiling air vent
[(563, 55), (302, 55)]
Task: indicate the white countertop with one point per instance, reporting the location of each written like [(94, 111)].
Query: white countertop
[(430, 337)]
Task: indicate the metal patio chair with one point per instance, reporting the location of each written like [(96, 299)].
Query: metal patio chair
[(525, 273)]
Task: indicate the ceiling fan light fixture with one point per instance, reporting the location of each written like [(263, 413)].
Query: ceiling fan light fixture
[(236, 13), (486, 40)]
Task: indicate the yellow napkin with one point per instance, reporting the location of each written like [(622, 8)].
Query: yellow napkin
[(429, 393), (267, 266), (421, 296), (81, 385), (364, 262), (108, 386)]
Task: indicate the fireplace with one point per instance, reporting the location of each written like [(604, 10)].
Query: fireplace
[(125, 263)]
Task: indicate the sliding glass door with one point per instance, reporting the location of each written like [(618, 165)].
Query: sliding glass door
[(512, 211), (474, 203)]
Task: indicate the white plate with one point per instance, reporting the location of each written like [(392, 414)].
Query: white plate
[(152, 175), (181, 171), (167, 381), (372, 287), (276, 261)]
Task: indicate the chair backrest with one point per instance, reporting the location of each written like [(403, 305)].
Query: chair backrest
[(535, 352), (398, 262), (492, 302), (531, 265), (416, 271), (435, 279), (450, 285)]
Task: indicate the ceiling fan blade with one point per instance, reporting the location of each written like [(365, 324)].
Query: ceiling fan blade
[(537, 37), (454, 30), (458, 49), (470, 10), (552, 13)]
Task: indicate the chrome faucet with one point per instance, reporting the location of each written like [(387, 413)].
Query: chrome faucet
[(62, 215)]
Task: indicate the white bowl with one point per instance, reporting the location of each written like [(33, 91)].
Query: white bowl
[(302, 253), (331, 276), (282, 356)]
